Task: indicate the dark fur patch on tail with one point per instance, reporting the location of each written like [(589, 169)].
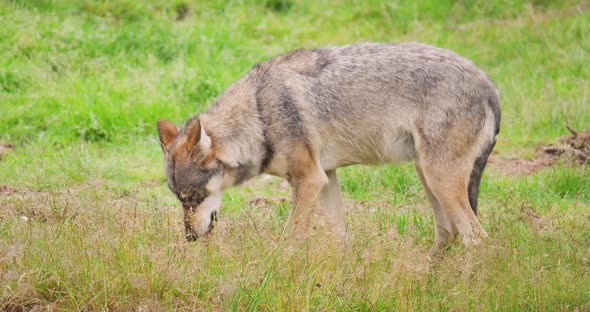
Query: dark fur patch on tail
[(476, 173)]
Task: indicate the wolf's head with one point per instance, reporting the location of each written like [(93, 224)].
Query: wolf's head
[(194, 175)]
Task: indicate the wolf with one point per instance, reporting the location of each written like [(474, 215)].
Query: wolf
[(306, 113)]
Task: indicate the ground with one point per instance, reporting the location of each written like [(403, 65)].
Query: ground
[(87, 222)]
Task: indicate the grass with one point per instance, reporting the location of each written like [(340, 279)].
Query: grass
[(87, 223)]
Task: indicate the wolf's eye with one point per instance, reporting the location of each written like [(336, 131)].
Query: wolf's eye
[(185, 197), (191, 199)]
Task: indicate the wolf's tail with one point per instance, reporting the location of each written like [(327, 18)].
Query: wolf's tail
[(481, 161)]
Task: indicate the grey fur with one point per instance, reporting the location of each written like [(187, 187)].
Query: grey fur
[(337, 86), (308, 112)]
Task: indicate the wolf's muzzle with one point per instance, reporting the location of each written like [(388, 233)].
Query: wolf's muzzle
[(191, 234)]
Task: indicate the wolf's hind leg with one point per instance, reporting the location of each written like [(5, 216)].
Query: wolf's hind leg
[(448, 183), (444, 230), (331, 200)]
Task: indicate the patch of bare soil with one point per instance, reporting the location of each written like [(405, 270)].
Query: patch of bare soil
[(31, 204), (518, 166), (5, 148), (7, 190), (576, 146), (574, 149), (25, 203)]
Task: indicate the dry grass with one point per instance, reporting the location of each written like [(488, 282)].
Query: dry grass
[(87, 223), (85, 249)]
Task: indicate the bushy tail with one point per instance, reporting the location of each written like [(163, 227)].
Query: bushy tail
[(476, 173), (482, 160)]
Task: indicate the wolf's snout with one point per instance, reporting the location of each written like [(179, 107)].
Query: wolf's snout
[(191, 237), (192, 234)]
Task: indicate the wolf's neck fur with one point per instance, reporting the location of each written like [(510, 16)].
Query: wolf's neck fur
[(236, 131)]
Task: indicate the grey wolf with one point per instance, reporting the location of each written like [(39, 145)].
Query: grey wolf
[(306, 113)]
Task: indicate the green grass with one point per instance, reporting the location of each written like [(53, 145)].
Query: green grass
[(90, 224)]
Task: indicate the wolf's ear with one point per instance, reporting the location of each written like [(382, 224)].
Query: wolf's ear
[(167, 132), (196, 135), (193, 133), (204, 142)]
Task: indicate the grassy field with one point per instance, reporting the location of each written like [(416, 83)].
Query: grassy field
[(87, 222)]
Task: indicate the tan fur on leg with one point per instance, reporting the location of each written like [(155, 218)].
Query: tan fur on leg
[(307, 181), (335, 212), (444, 231), (448, 184)]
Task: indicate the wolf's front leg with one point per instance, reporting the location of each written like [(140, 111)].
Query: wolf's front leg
[(307, 180), (306, 202)]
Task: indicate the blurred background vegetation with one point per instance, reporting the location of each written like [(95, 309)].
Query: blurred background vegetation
[(105, 71)]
